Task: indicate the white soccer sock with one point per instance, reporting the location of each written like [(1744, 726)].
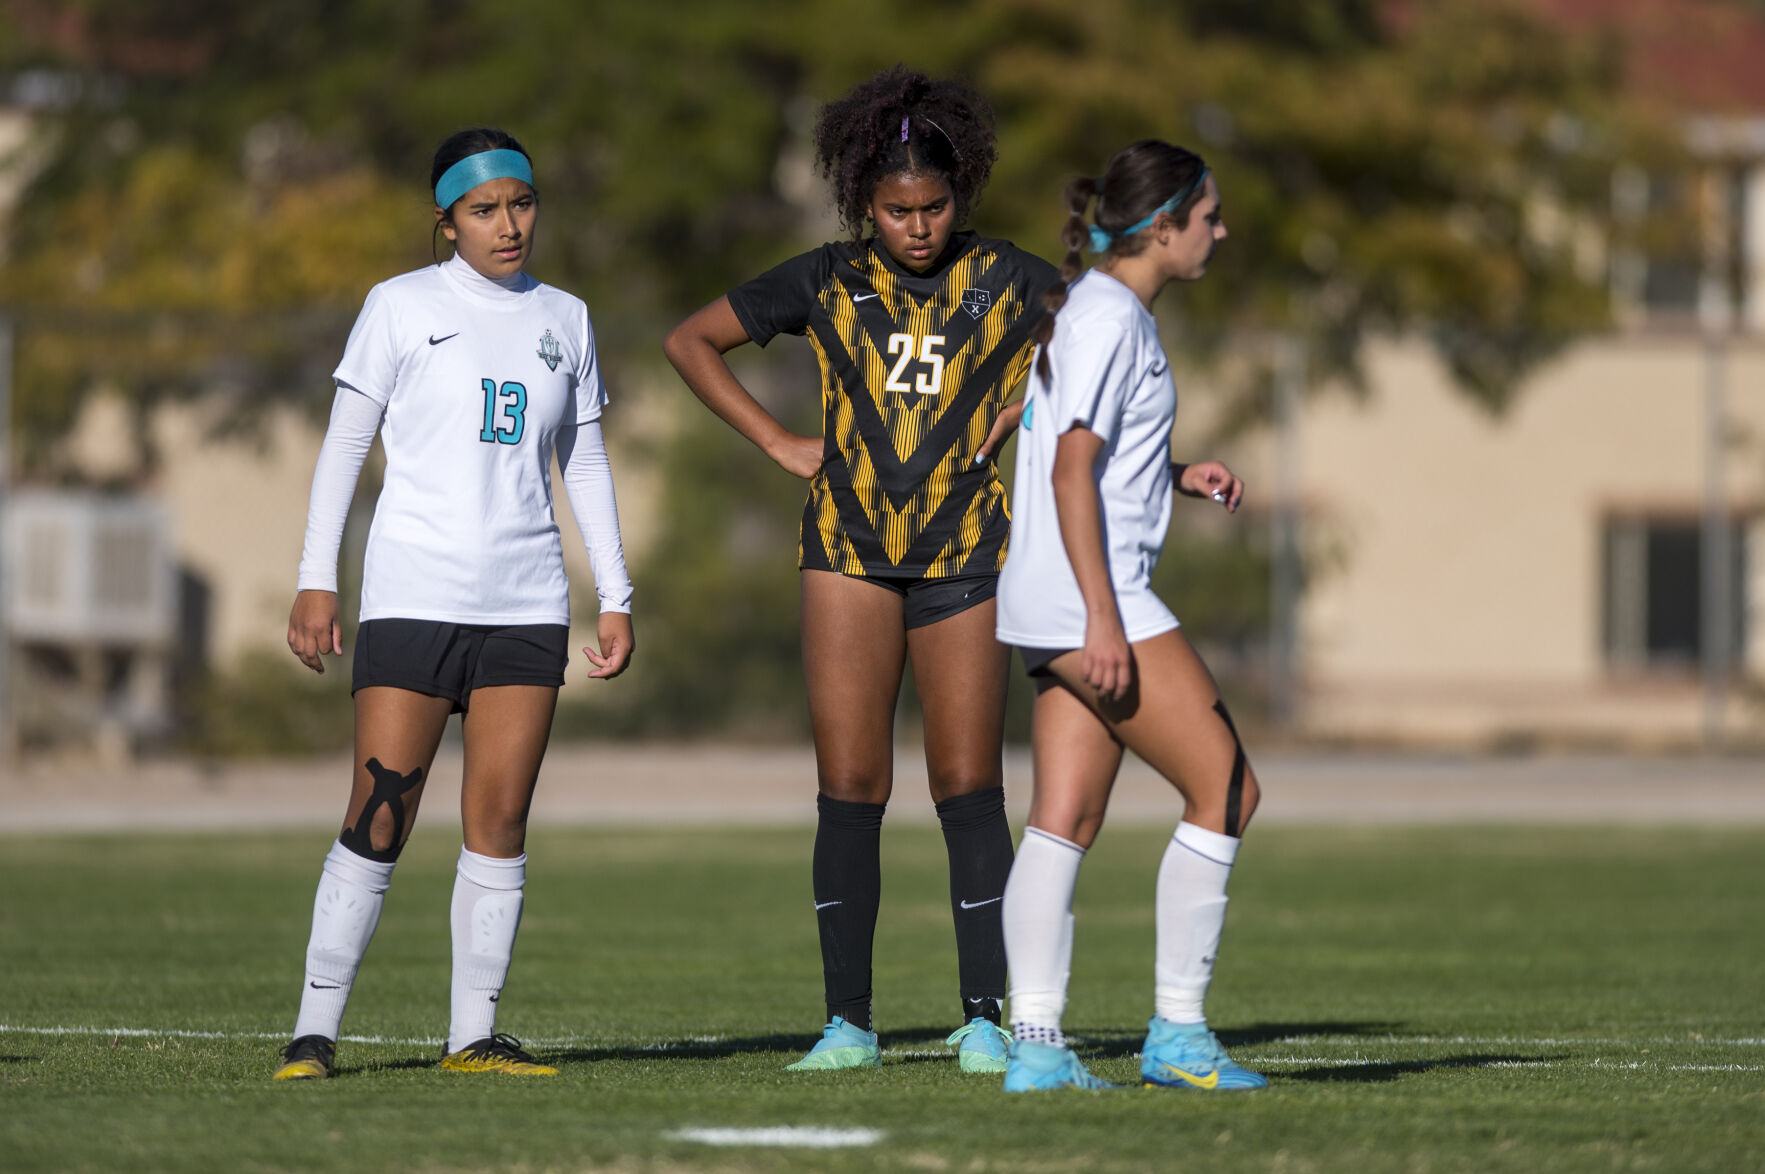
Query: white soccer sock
[(351, 891), (1038, 933), (486, 914), (1190, 914)]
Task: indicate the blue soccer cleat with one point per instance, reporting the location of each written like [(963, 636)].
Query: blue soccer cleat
[(842, 1045), (981, 1046), (1186, 1055), (1035, 1067)]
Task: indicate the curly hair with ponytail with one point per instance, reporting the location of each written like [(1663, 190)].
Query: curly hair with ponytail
[(1140, 178), (902, 121)]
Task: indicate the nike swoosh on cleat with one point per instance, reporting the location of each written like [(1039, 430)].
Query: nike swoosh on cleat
[(865, 297), (318, 987), (825, 904), (1211, 1080), (978, 904), (433, 341)]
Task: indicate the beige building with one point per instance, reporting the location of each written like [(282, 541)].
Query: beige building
[(1532, 576)]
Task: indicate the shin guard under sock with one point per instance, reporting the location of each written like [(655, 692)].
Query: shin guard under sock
[(486, 912), (345, 911), (1190, 913), (978, 839), (1038, 933), (847, 873)]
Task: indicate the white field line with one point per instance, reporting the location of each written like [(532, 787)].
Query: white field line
[(787, 1136), (700, 1043)]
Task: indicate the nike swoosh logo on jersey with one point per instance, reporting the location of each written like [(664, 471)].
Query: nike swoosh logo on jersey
[(865, 297), (978, 904), (433, 341), (1211, 1080), (825, 904)]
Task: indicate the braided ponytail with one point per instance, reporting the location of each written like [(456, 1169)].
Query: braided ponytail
[(1143, 179), (1079, 194)]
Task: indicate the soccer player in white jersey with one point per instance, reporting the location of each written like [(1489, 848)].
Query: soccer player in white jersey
[(1111, 666), (473, 374)]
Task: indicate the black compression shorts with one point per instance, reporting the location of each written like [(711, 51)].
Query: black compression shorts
[(1035, 663), (451, 660), (926, 601)]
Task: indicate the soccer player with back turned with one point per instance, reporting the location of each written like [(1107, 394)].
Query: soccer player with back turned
[(922, 331)]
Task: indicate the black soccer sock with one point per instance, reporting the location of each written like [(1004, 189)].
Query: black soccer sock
[(848, 888), (978, 838)]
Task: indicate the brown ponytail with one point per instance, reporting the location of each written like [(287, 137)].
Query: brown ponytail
[(1079, 194), (1141, 177)]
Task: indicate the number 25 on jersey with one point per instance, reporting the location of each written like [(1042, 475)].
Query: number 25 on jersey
[(507, 403), (926, 382)]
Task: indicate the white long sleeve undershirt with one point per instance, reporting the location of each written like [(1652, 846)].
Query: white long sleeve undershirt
[(588, 482), (582, 458), (355, 418)]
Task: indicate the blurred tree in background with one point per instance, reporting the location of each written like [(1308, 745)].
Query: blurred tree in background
[(219, 184), (219, 176)]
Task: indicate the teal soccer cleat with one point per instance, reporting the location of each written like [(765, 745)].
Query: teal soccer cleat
[(841, 1046), (1035, 1067), (1186, 1055), (981, 1046)]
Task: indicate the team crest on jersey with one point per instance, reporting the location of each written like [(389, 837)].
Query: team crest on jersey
[(550, 351), (976, 301)]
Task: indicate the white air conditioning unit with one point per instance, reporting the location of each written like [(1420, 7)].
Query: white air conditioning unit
[(83, 568)]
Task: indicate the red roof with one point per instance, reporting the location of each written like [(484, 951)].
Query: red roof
[(1703, 55)]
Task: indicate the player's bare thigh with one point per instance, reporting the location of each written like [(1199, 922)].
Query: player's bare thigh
[(1076, 759), (506, 731), (960, 672), (854, 649), (1173, 718)]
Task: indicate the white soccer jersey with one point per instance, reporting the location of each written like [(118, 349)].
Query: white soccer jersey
[(475, 380), (1110, 375)]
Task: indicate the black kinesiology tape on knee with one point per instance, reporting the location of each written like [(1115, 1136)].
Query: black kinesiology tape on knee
[(390, 788), (1235, 788)]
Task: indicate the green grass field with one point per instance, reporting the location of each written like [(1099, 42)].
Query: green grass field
[(1424, 1000)]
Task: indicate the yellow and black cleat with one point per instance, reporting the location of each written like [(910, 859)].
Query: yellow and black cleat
[(496, 1053), (307, 1058)]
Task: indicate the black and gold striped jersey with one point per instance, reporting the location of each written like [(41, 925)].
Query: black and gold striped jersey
[(914, 370)]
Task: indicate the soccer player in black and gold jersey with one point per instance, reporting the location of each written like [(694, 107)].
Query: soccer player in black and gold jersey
[(922, 332)]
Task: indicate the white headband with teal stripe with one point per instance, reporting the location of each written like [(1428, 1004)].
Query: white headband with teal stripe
[(473, 170), (1101, 238)]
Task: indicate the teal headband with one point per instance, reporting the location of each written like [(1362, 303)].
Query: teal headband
[(473, 170), (1101, 238)]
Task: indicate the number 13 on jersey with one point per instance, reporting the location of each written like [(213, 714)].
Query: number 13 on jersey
[(925, 382), (508, 402)]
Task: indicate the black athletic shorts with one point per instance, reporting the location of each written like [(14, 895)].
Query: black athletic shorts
[(926, 601), (451, 660), (1035, 663)]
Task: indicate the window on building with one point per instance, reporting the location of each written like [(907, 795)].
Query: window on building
[(1689, 248), (1654, 592)]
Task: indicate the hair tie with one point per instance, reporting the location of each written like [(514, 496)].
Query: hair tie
[(473, 170), (945, 135), (1101, 238), (904, 127)]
